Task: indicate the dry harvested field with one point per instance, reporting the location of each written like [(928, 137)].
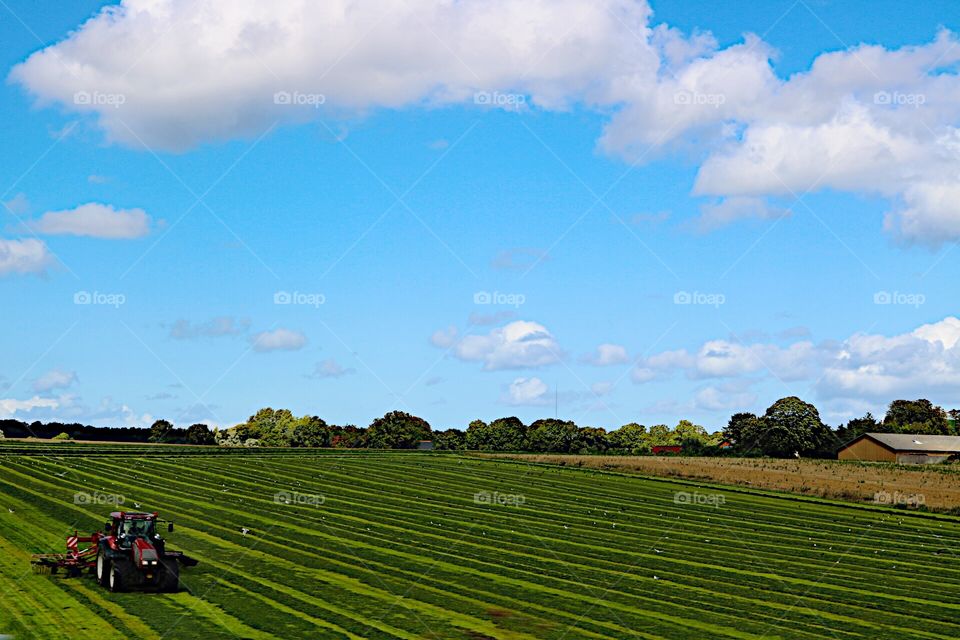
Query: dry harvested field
[(938, 487)]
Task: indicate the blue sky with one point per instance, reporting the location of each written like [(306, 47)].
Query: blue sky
[(635, 162)]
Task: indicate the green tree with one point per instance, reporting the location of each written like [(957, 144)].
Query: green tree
[(507, 434), (161, 431), (916, 416), (686, 430), (660, 435), (397, 430), (789, 427), (63, 435), (449, 440), (199, 434), (477, 436), (590, 440), (310, 431), (736, 425), (552, 436), (630, 438)]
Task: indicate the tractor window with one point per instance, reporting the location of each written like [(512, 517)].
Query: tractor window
[(138, 528)]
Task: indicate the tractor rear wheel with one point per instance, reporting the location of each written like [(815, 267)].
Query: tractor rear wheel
[(103, 568), (169, 575)]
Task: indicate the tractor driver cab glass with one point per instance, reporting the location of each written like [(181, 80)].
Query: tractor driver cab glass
[(136, 528)]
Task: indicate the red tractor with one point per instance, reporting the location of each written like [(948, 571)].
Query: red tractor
[(130, 555)]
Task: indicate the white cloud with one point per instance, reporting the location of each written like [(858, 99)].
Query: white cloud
[(278, 340), (712, 398), (868, 120), (54, 379), (861, 370), (215, 328), (730, 210), (18, 205), (444, 338), (96, 221), (527, 391), (608, 354), (330, 368), (24, 256), (10, 407), (518, 345), (219, 63), (601, 388)]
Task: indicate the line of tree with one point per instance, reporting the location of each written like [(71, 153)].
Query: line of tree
[(789, 427)]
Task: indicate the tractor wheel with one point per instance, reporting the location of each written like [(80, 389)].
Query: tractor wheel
[(120, 576), (169, 575), (104, 568)]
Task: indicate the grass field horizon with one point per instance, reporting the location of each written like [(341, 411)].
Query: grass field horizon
[(419, 545)]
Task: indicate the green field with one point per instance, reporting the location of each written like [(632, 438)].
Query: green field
[(399, 545)]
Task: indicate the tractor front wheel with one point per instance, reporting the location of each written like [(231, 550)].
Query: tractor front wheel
[(104, 568), (120, 576)]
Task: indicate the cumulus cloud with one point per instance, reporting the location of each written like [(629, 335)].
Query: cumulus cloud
[(607, 354), (24, 256), (517, 345), (601, 388), (54, 379), (231, 69), (18, 205), (868, 120), (730, 210), (95, 220), (527, 391), (444, 338), (278, 340), (215, 328), (330, 368), (10, 407), (862, 368)]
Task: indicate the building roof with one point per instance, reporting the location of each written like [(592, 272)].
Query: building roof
[(916, 442)]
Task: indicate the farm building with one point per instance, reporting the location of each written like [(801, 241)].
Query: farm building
[(667, 449), (902, 448)]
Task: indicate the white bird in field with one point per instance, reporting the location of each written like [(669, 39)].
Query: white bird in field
[(136, 505), (244, 530), (9, 509), (796, 454)]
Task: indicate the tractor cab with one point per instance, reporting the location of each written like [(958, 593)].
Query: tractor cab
[(128, 526)]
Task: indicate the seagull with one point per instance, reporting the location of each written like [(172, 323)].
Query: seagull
[(796, 454), (136, 505), (244, 530)]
